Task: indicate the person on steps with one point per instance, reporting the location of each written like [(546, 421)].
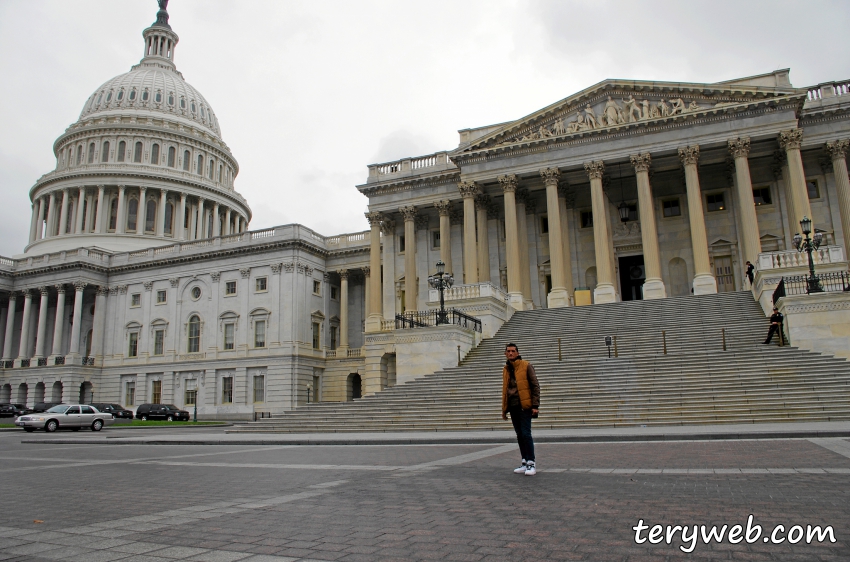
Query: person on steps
[(750, 269), (520, 398), (775, 325)]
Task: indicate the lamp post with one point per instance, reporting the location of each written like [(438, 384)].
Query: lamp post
[(809, 245), (441, 281)]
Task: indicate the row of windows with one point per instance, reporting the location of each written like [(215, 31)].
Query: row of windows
[(195, 110), (190, 394), (193, 337), (260, 286)]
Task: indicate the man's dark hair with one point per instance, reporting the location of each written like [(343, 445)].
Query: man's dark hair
[(513, 345)]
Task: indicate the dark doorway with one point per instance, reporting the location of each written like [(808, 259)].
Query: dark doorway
[(355, 390), (632, 276)]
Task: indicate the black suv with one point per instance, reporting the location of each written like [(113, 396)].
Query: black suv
[(117, 411), (14, 410), (41, 407), (168, 412)]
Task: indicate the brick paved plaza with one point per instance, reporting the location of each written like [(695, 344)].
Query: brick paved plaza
[(422, 502)]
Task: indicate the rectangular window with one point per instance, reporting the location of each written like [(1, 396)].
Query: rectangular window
[(259, 388), (316, 339), (671, 208), (156, 392), (135, 300), (230, 288), (261, 284), (260, 333), (587, 219), (333, 336), (133, 351), (130, 393), (228, 335), (761, 196), (158, 342), (335, 293), (813, 189), (715, 202), (227, 390), (544, 224), (161, 296), (190, 397), (401, 244), (435, 239), (317, 287)]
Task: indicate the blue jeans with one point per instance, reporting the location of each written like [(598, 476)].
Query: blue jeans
[(522, 425)]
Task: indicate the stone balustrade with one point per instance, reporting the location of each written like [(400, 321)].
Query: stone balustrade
[(408, 166), (472, 291), (829, 89), (784, 259)]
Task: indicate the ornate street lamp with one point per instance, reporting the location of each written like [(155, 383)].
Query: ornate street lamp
[(809, 245), (441, 281)]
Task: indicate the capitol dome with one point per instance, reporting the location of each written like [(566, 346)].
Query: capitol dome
[(145, 152)]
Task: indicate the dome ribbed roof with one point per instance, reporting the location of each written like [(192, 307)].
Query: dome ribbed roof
[(151, 89)]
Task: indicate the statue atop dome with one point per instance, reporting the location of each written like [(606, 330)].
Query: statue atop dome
[(162, 15)]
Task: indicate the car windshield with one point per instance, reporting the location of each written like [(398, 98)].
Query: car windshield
[(57, 410), (171, 407), (116, 407)]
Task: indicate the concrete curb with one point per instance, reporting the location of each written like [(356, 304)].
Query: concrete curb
[(148, 427), (460, 440)]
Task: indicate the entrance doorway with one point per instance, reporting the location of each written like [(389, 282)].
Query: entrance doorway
[(723, 274), (632, 276)]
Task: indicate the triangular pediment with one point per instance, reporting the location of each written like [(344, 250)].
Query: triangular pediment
[(612, 105)]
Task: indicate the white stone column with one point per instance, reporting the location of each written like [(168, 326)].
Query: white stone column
[(750, 238), (160, 219), (522, 236), (141, 215), (605, 290), (227, 221), (367, 289), (81, 197), (790, 142), (25, 327), (99, 323), (653, 287), (837, 151), (216, 221), (34, 220), (483, 242), (59, 321), (39, 234), (559, 296), (49, 231), (102, 216), (410, 274), (468, 191), (63, 217), (565, 242), (509, 185), (180, 220), (8, 352), (121, 217), (343, 312), (443, 208), (41, 328), (374, 320), (79, 287), (201, 231), (704, 282)]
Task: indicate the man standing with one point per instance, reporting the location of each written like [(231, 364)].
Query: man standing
[(520, 398), (750, 269), (775, 325)]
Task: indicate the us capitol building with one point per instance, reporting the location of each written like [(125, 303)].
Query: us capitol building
[(142, 281)]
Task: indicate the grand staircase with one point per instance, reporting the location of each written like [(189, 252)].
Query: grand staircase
[(695, 382)]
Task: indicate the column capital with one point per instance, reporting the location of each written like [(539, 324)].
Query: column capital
[(102, 290), (641, 161), (790, 139), (509, 183), (689, 155), (739, 147), (482, 202), (837, 149), (387, 226), (44, 291), (408, 212), (444, 207), (101, 186), (27, 293), (276, 268), (122, 187), (468, 189), (374, 218), (79, 286), (13, 295), (343, 273), (550, 175), (366, 270), (594, 169)]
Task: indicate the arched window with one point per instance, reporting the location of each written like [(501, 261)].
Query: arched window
[(155, 154), (113, 214), (172, 154), (150, 216), (91, 152), (200, 170), (109, 96), (145, 95), (120, 95), (157, 97), (194, 334), (133, 94), (137, 153), (104, 153), (186, 160), (220, 171), (169, 217), (132, 213), (171, 98), (79, 155), (212, 168), (122, 148)]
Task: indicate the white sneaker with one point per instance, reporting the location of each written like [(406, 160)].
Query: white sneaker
[(521, 469), (530, 469)]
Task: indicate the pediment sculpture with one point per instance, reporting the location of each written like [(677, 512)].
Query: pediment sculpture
[(626, 229)]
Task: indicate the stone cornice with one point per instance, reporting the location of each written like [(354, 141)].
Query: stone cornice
[(448, 177)]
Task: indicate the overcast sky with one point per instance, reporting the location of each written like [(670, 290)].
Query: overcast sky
[(309, 93)]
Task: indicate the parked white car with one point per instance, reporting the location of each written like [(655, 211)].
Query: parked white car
[(66, 416)]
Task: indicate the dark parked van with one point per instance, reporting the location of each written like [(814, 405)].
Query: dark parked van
[(168, 412), (116, 410)]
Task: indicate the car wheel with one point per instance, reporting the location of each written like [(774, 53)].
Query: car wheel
[(29, 429), (169, 418), (51, 426), (97, 425), (144, 418)]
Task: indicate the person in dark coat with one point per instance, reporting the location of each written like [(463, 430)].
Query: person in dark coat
[(750, 269), (775, 325)]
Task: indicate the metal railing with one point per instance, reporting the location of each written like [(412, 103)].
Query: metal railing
[(88, 361), (802, 284), (426, 318), (59, 360)]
